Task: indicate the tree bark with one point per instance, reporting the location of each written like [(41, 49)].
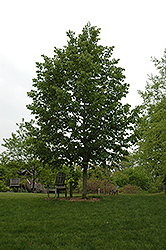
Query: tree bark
[(84, 182)]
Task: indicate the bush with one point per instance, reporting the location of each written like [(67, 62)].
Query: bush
[(133, 176), (107, 186), (130, 189), (154, 188), (3, 187), (94, 183)]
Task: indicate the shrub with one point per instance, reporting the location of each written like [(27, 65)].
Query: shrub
[(133, 176), (130, 189), (107, 186), (154, 188), (94, 183), (3, 187)]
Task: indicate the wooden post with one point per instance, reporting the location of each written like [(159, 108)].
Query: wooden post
[(71, 190), (48, 191)]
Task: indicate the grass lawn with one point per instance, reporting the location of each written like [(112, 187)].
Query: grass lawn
[(29, 221)]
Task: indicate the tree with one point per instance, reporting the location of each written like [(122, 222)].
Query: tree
[(20, 153), (76, 100), (152, 146), (16, 146), (155, 89)]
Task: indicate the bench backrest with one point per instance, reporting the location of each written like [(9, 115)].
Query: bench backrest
[(15, 182), (60, 179)]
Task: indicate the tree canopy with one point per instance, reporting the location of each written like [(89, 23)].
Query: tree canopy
[(77, 103), (152, 146), (20, 153), (155, 89)]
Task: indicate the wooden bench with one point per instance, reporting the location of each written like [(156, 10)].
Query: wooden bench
[(15, 183), (59, 185), (114, 191)]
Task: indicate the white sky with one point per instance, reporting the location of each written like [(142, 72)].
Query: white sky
[(30, 28)]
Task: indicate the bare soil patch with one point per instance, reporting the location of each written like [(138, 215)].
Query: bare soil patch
[(73, 199)]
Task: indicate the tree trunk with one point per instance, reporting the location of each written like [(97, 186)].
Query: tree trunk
[(33, 180), (84, 182)]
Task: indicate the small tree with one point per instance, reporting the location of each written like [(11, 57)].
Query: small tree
[(77, 104), (152, 146), (20, 153)]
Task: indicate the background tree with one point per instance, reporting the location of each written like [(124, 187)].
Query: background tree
[(76, 100), (152, 146), (18, 147), (155, 89), (20, 153)]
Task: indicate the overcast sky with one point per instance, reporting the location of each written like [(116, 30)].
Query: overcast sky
[(31, 28)]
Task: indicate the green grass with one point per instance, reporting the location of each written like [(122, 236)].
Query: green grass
[(28, 221)]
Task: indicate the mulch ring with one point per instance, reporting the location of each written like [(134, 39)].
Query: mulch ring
[(75, 199)]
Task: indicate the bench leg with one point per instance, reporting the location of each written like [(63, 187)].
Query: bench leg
[(55, 193), (48, 191)]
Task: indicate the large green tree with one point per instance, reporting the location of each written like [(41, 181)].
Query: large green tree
[(77, 103), (152, 146)]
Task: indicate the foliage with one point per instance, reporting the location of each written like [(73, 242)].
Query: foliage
[(47, 176), (98, 177), (11, 169), (96, 172), (133, 176), (152, 145), (93, 184), (73, 174), (3, 172), (130, 189), (105, 185), (18, 147), (155, 188), (76, 101), (3, 187), (155, 89), (20, 153)]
